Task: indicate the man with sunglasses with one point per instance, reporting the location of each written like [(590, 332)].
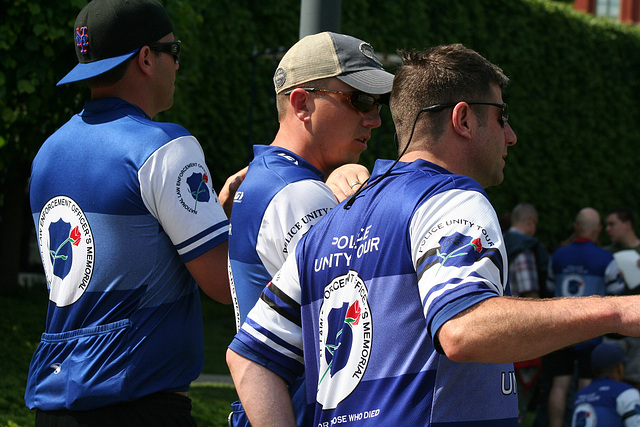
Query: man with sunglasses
[(396, 306), (126, 218), (329, 89)]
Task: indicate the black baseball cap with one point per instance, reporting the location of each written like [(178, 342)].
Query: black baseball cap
[(108, 32)]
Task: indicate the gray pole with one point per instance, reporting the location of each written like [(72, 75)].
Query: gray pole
[(317, 16)]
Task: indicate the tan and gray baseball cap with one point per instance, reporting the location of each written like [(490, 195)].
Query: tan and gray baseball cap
[(327, 54)]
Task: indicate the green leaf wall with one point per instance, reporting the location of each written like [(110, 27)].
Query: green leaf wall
[(573, 95)]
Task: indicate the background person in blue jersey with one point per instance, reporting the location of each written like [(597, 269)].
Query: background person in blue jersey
[(579, 269), (126, 218), (414, 325), (607, 401), (329, 88)]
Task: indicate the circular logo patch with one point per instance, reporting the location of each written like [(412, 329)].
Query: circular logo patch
[(66, 248), (192, 187), (367, 50), (573, 285), (345, 333), (279, 78), (584, 415)]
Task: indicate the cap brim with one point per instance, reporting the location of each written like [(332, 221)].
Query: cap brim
[(92, 69), (373, 81)]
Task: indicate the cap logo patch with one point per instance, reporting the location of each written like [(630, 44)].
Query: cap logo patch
[(279, 77), (367, 50), (82, 39)]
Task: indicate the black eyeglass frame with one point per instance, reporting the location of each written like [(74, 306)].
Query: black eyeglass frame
[(504, 119), (353, 98), (172, 48)]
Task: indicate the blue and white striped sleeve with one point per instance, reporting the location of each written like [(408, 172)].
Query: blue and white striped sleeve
[(272, 333), (458, 253)]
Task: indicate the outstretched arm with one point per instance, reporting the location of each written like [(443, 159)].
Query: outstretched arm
[(505, 329), (263, 394)]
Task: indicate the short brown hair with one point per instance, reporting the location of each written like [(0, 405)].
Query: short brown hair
[(439, 75)]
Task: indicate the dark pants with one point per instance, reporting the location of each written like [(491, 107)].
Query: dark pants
[(159, 409)]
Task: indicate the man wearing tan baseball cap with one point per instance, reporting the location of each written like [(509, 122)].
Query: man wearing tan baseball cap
[(329, 89)]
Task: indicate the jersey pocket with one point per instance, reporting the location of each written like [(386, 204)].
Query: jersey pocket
[(80, 369)]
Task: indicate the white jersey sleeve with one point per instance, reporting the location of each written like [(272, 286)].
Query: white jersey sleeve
[(628, 407), (453, 224), (176, 188), (613, 279), (288, 217)]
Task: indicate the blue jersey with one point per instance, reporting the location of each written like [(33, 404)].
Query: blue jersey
[(280, 199), (358, 308), (606, 403), (120, 203), (582, 269)]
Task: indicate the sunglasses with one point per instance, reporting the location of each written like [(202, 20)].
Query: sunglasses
[(504, 118), (172, 48), (362, 102)]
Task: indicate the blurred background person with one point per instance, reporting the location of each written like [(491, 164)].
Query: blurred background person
[(607, 401), (620, 227), (579, 269)]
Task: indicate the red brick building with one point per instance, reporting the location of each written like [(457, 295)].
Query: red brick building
[(627, 11)]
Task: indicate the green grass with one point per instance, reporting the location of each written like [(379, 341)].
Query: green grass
[(22, 322), (219, 329)]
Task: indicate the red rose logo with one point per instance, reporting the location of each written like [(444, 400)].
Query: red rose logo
[(477, 244), (353, 313), (74, 236)]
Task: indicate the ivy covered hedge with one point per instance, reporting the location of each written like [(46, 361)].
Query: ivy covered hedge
[(573, 98), (573, 95)]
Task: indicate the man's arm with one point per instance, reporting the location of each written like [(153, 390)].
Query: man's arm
[(504, 329), (229, 189), (346, 180), (462, 286), (343, 181), (263, 394), (210, 272)]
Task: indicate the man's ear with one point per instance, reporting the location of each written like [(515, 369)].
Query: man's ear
[(302, 104), (463, 120), (144, 60)]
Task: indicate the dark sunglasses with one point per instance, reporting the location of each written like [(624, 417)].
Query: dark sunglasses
[(172, 48), (503, 119), (362, 102)]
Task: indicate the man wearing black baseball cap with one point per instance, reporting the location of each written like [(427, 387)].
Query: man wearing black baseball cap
[(107, 33), (126, 218)]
